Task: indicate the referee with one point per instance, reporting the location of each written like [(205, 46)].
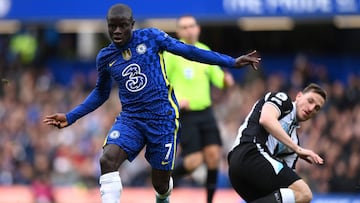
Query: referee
[(200, 139)]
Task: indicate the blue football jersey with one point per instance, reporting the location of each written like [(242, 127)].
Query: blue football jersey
[(139, 71)]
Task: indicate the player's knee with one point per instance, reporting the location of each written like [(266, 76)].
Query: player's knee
[(111, 159), (107, 163), (305, 196), (302, 191)]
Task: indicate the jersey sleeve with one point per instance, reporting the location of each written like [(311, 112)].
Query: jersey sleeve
[(96, 97), (215, 73), (281, 101), (190, 52)]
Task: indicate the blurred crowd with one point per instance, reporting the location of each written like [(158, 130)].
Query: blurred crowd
[(37, 155)]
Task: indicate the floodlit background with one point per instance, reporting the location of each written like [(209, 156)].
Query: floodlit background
[(47, 65)]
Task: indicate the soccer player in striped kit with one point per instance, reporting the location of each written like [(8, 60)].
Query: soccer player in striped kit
[(263, 157)]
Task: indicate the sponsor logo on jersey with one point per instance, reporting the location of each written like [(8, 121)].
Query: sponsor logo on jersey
[(164, 162), (136, 79), (112, 63)]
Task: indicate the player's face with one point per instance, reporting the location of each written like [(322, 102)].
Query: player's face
[(120, 29), (188, 30), (308, 105)]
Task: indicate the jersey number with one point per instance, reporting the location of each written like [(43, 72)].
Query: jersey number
[(279, 98), (137, 80), (169, 146)]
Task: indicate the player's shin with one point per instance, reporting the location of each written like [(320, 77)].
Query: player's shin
[(111, 187), (164, 198), (284, 195)]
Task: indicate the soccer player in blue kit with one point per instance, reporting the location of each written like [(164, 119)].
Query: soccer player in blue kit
[(149, 108)]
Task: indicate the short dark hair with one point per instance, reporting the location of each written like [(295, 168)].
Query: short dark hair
[(121, 9), (312, 87)]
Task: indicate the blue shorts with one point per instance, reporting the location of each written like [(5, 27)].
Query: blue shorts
[(159, 136)]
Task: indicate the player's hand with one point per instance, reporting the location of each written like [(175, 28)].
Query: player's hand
[(248, 59), (58, 120), (309, 156)]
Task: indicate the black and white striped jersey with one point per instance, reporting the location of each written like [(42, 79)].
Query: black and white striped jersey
[(252, 131)]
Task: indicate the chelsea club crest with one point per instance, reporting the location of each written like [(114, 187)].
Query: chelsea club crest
[(141, 48)]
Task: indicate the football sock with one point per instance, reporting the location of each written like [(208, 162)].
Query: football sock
[(164, 198), (111, 187), (211, 181), (284, 195), (287, 195)]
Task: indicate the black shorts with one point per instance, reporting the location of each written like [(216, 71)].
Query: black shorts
[(198, 129), (254, 173)]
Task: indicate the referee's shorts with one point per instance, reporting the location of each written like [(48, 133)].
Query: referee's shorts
[(254, 173), (198, 130)]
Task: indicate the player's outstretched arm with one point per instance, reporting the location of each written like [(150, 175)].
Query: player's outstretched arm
[(309, 156), (248, 59), (58, 120)]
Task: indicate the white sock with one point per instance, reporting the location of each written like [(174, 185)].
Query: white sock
[(167, 194), (111, 187), (287, 195)]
